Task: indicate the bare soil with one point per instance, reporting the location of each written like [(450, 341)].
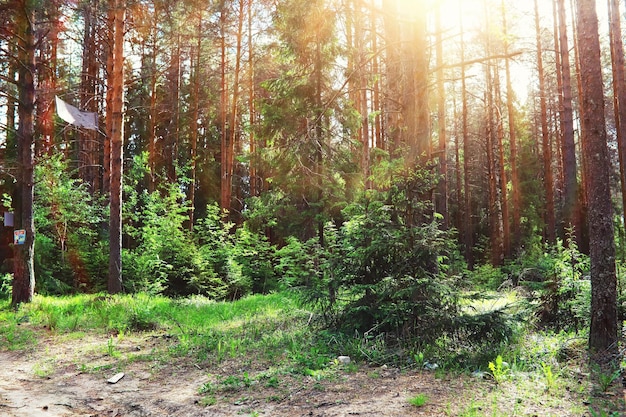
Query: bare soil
[(63, 377)]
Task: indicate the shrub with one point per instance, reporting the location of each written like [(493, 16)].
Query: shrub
[(67, 219), (166, 258), (385, 263)]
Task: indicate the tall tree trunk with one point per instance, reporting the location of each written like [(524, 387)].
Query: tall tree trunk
[(415, 111), (583, 203), (87, 149), (24, 270), (377, 137), (362, 102), (108, 120), (603, 330), (153, 109), (226, 179), (503, 181), (48, 81), (458, 223), (441, 199), (515, 183), (570, 182), (195, 113), (546, 143), (619, 90), (234, 145), (495, 231), (468, 235), (254, 180), (116, 89), (173, 140), (393, 76)]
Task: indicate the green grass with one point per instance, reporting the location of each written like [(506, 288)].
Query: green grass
[(418, 401), (270, 327), (275, 342)]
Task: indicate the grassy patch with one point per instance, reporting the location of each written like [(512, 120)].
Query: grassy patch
[(418, 401), (270, 344)]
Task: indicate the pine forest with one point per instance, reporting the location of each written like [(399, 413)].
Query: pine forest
[(435, 182)]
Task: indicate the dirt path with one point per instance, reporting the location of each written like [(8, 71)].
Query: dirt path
[(69, 378), (48, 382)]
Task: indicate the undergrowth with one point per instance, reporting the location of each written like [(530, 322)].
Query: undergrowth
[(274, 339)]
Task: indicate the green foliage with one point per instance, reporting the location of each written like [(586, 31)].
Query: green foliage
[(6, 283), (387, 266), (560, 280), (606, 377), (499, 370), (255, 256), (419, 400), (69, 255), (166, 257), (487, 277), (549, 376)]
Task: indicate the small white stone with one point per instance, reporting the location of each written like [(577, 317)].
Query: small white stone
[(344, 360)]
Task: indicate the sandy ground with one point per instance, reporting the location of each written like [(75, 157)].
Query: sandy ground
[(49, 382), (60, 377)]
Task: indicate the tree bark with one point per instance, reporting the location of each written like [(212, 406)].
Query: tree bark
[(24, 270), (254, 180), (548, 181), (570, 181), (226, 176), (88, 139), (116, 82), (515, 182), (603, 330), (619, 90), (468, 235), (195, 113), (441, 199)]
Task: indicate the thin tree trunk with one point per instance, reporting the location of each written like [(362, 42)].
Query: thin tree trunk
[(87, 149), (619, 90), (545, 135), (570, 181), (468, 235), (233, 143), (195, 106), (582, 203), (393, 72), (503, 181), (515, 183), (362, 104), (116, 80), (254, 181), (441, 200), (153, 110), (603, 331), (110, 37), (376, 109), (226, 180)]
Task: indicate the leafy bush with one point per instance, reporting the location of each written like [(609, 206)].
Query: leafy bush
[(571, 292), (255, 255), (487, 277), (166, 258), (67, 219)]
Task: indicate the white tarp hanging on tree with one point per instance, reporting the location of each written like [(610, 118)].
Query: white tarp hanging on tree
[(76, 117)]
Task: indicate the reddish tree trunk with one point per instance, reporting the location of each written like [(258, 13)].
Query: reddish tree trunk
[(603, 331), (546, 145), (116, 82)]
